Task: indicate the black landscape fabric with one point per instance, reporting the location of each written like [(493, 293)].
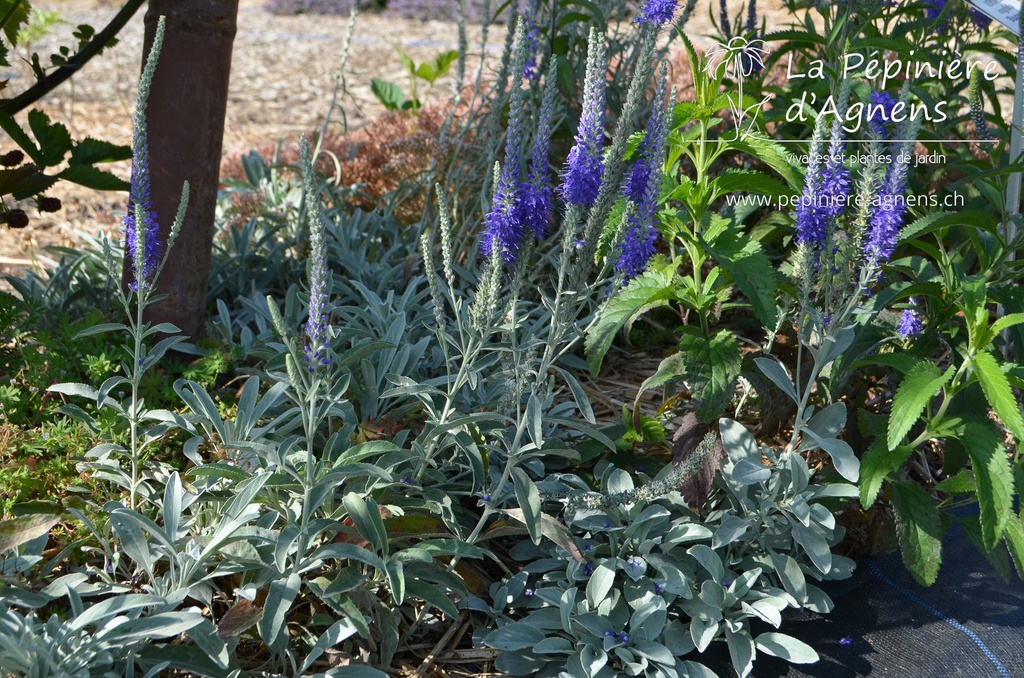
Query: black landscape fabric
[(969, 623)]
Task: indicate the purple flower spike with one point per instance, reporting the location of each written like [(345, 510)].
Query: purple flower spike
[(909, 325), (533, 208), (585, 165), (145, 263), (533, 197), (880, 112), (637, 250), (890, 207), (980, 20), (723, 14), (750, 58), (503, 228), (317, 342), (532, 39), (826, 191), (642, 187), (657, 12)]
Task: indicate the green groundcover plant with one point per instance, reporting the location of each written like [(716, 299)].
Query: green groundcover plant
[(403, 453)]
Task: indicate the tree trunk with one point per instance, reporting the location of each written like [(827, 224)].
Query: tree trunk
[(185, 119)]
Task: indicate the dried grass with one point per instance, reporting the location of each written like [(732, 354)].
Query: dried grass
[(388, 161)]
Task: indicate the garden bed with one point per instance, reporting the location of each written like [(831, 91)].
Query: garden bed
[(630, 361)]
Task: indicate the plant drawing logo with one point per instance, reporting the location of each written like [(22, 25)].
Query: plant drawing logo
[(739, 58)]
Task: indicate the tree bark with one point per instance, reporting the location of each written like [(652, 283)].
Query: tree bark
[(185, 121)]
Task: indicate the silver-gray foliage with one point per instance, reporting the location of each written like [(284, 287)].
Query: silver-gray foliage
[(644, 587)]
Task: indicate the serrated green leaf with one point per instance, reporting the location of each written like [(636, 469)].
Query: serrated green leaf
[(410, 65), (92, 177), (876, 465), (649, 290), (747, 181), (17, 179), (994, 477), (426, 72), (1007, 321), (919, 529), (774, 155), (712, 368), (914, 392), (751, 270), (925, 224), (1015, 543), (997, 391), (18, 136), (24, 182), (53, 137), (90, 151), (962, 483), (974, 307), (15, 14)]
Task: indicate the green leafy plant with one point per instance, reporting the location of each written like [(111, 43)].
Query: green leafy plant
[(392, 96), (711, 256), (951, 404)]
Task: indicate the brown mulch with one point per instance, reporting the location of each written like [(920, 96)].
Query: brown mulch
[(283, 70)]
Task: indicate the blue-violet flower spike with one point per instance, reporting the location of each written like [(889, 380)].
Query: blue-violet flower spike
[(585, 165), (880, 108), (533, 197), (909, 325), (503, 227), (657, 12), (890, 207), (642, 189), (316, 322), (142, 240)]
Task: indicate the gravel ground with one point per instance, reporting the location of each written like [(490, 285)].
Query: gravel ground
[(282, 75)]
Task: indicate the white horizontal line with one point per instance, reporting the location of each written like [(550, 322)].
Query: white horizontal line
[(897, 141)]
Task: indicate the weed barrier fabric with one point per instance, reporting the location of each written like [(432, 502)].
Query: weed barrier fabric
[(969, 623)]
